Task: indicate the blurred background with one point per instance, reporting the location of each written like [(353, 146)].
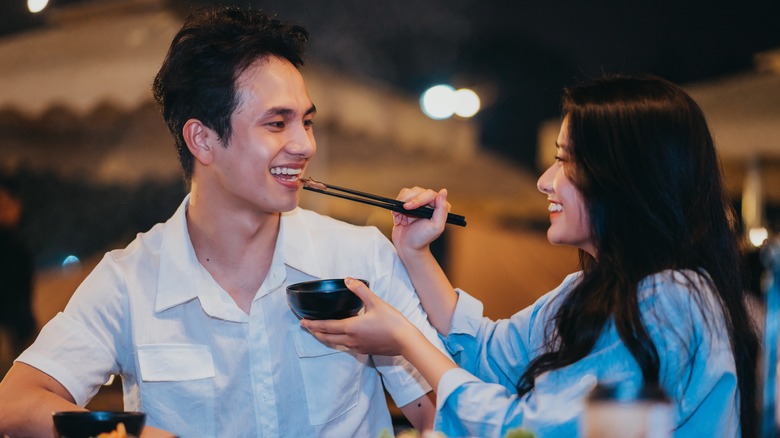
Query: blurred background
[(87, 161)]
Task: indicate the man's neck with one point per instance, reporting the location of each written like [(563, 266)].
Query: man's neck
[(235, 247)]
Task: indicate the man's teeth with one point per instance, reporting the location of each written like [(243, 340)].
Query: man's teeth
[(291, 174), (552, 208)]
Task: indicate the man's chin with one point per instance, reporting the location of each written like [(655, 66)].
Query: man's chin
[(290, 206)]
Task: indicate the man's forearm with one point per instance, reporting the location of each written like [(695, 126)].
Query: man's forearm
[(421, 412), (27, 399)]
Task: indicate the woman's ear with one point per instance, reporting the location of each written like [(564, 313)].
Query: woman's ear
[(200, 140)]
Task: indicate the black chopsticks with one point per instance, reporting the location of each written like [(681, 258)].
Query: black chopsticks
[(377, 201)]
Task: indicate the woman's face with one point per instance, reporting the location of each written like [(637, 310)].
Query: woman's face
[(569, 222)]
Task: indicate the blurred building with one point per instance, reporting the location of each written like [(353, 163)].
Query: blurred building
[(76, 105)]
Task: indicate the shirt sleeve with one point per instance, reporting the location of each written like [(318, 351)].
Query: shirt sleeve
[(496, 351), (78, 347), (468, 406), (481, 398)]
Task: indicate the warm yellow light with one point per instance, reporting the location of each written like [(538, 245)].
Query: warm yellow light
[(442, 101), (466, 102), (36, 6), (758, 236)]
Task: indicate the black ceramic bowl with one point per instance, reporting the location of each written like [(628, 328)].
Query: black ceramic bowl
[(323, 299), (84, 424)]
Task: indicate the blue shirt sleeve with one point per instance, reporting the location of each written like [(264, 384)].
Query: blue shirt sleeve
[(697, 368)]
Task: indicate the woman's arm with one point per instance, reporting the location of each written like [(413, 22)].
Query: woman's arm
[(412, 238), (384, 331)]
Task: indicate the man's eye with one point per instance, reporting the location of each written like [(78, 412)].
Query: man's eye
[(308, 123), (277, 125)]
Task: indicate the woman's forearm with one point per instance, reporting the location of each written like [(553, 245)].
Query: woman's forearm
[(426, 358), (436, 293)]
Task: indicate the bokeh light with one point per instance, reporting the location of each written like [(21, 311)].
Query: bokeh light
[(438, 102), (758, 236), (71, 262), (36, 6), (466, 102), (442, 101)]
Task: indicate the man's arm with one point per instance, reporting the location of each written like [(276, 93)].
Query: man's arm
[(28, 397), (421, 412)]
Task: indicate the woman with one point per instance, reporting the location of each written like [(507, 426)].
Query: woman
[(636, 187)]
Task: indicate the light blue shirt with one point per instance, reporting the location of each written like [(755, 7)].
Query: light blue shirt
[(200, 367), (697, 366)]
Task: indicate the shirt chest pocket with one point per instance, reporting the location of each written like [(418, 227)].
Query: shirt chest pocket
[(331, 377), (177, 388)]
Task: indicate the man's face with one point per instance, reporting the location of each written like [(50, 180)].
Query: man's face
[(272, 139)]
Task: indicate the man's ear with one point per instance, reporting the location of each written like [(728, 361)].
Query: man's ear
[(200, 140)]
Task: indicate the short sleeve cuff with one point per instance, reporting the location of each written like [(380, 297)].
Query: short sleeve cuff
[(403, 382), (451, 381), (59, 351)]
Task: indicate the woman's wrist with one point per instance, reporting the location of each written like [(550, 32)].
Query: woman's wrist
[(411, 340), (413, 254)]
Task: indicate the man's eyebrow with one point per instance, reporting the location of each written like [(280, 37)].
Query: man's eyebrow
[(285, 111)]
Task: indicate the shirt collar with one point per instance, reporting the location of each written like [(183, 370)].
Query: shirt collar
[(180, 268), (298, 243)]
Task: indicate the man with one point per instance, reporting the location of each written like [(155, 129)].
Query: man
[(193, 313)]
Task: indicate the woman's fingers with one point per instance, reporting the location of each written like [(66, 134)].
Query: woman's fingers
[(324, 327), (442, 207), (362, 291), (416, 197)]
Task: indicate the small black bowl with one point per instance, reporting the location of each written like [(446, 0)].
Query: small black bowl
[(323, 299), (86, 424)]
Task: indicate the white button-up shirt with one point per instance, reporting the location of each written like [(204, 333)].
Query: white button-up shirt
[(201, 367)]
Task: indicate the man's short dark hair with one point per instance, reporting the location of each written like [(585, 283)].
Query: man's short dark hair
[(213, 48)]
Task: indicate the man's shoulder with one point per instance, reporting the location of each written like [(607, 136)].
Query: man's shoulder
[(145, 242), (308, 218)]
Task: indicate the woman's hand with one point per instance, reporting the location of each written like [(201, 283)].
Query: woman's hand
[(412, 234), (380, 329)]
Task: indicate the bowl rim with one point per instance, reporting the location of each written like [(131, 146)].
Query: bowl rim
[(92, 413), (292, 287)]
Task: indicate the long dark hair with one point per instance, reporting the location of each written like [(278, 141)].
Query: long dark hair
[(214, 46), (646, 165)]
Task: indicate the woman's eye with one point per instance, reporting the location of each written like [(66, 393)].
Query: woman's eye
[(559, 159), (277, 125)]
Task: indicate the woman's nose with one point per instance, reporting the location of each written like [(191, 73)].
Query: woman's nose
[(544, 183)]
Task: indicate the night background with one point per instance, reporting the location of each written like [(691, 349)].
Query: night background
[(516, 54), (78, 163)]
